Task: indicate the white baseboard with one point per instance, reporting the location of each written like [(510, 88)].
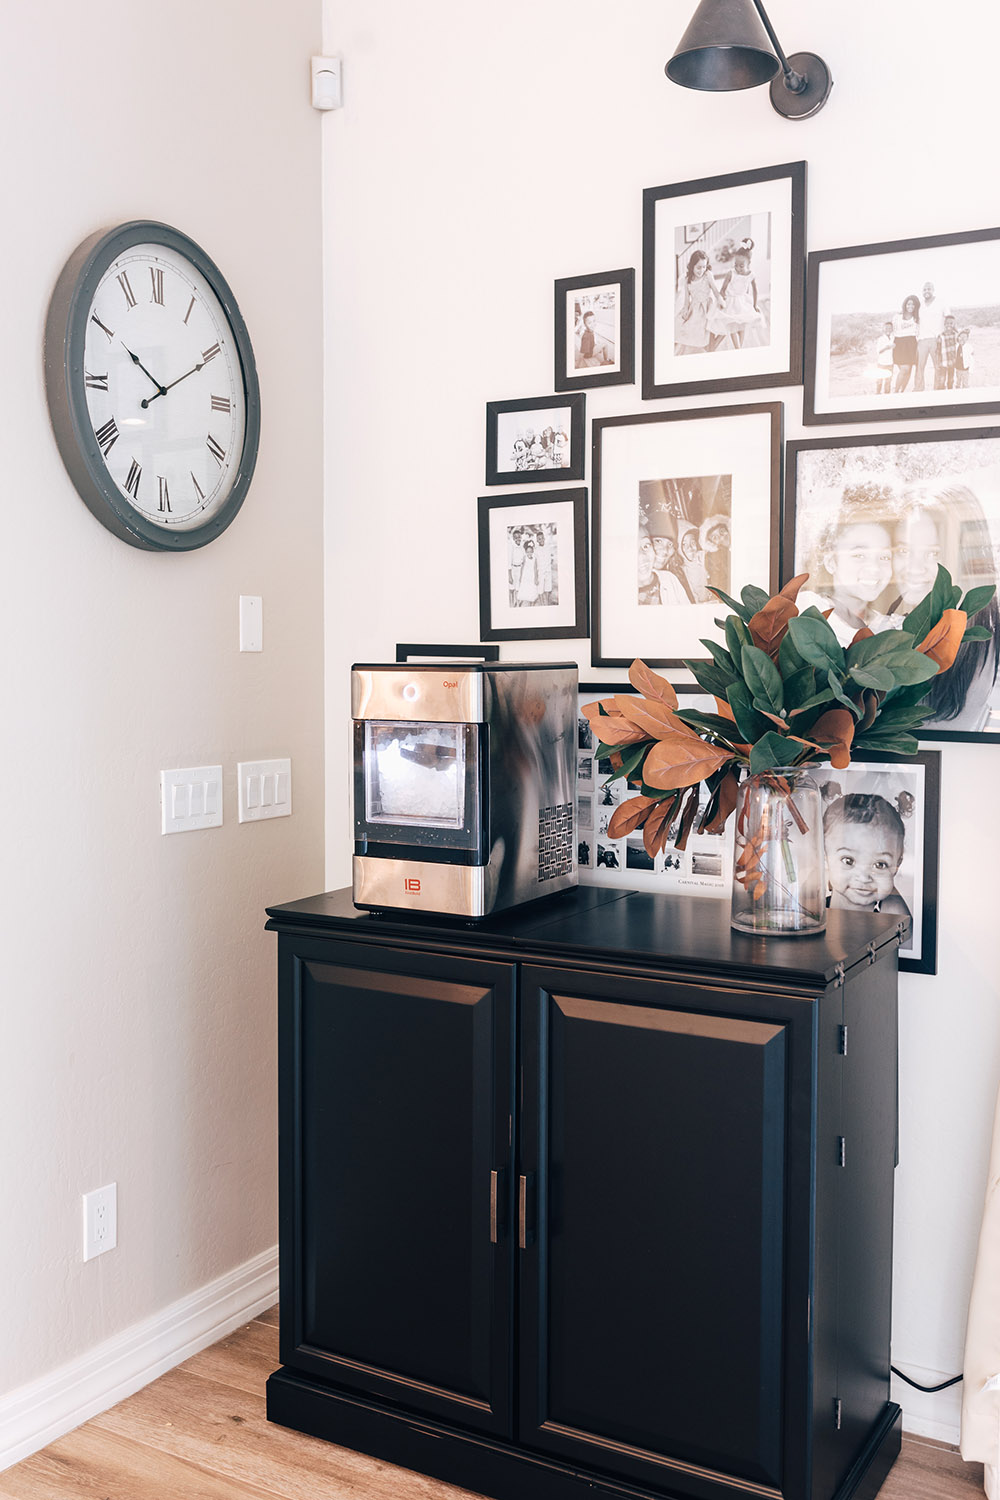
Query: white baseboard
[(36, 1414), (936, 1415)]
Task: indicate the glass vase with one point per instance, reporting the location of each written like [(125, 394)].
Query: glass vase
[(779, 876)]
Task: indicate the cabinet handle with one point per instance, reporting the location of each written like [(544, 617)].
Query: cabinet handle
[(522, 1212), (493, 1208)]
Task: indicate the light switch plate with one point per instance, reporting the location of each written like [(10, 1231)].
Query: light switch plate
[(190, 799), (265, 789), (251, 622)]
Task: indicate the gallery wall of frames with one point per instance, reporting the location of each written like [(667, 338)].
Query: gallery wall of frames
[(691, 499)]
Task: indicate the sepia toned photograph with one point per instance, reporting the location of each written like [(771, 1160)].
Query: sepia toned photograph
[(685, 537), (535, 441), (595, 330), (533, 566), (904, 329), (723, 274), (870, 522)]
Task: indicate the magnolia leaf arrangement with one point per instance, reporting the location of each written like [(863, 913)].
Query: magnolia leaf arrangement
[(787, 694)]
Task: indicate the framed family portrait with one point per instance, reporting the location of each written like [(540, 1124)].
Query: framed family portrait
[(533, 566), (910, 328), (537, 440), (595, 330), (870, 519), (684, 501), (703, 868), (723, 276), (880, 829)]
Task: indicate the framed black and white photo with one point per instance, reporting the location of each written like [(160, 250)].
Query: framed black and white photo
[(869, 519), (723, 272), (880, 829), (909, 328), (703, 868), (533, 566), (419, 653), (683, 501), (595, 330), (537, 440)]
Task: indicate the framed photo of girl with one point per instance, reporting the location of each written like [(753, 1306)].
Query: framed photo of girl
[(870, 519), (533, 566), (723, 276), (536, 440), (684, 501), (595, 330), (880, 829), (909, 328)]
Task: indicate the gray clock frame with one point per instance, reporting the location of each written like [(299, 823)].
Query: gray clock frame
[(65, 332)]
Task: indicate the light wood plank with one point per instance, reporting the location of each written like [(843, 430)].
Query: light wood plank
[(269, 1316), (95, 1465), (226, 1430), (244, 1359), (926, 1471)]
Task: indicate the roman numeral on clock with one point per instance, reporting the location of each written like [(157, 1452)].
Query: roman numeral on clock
[(207, 354), (216, 449), (103, 326), (219, 403), (95, 382), (132, 479), (107, 436), (189, 311), (156, 275), (201, 492), (164, 493), (126, 287)]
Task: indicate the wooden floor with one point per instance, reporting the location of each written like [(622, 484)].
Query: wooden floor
[(199, 1433)]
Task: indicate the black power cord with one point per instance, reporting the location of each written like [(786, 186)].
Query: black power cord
[(930, 1389)]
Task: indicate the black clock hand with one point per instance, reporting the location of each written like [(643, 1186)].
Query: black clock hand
[(137, 361), (165, 388)]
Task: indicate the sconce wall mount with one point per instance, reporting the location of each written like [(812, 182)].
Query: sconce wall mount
[(731, 44)]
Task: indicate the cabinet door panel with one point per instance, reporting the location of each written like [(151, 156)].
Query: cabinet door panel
[(655, 1279), (398, 1287)]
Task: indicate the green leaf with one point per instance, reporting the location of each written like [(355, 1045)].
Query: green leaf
[(772, 750), (840, 695), (956, 594), (823, 695), (754, 598), (710, 677), (799, 686), (879, 678), (721, 657), (878, 648), (734, 604), (914, 668), (710, 723), (977, 599), (896, 716), (789, 660), (632, 758), (749, 722), (890, 744), (737, 636), (815, 641), (925, 615), (763, 679), (976, 633)]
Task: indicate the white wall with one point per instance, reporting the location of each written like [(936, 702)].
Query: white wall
[(137, 1014), (483, 152)]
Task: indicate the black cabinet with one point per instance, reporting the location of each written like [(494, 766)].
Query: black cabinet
[(593, 1199)]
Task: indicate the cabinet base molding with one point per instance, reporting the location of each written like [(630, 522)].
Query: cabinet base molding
[(499, 1470)]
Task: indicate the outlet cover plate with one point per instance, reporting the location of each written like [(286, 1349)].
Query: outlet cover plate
[(100, 1220)]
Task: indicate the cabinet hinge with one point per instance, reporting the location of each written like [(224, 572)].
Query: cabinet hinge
[(842, 1048), (872, 953), (839, 972), (841, 1151), (837, 1412)]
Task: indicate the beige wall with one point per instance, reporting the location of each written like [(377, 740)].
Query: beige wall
[(137, 1010), (483, 152)]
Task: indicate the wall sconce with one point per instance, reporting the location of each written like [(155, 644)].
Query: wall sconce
[(730, 44)]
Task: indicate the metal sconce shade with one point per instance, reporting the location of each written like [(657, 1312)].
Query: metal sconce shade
[(725, 47), (730, 44)]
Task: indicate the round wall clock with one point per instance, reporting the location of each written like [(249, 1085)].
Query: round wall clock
[(152, 387)]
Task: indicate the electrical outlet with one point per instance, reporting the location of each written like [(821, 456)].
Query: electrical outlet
[(100, 1220)]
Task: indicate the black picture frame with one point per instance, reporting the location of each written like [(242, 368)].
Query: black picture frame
[(610, 298), (766, 206), (505, 419), (670, 462), (845, 340), (507, 599), (924, 497), (480, 652), (917, 776)]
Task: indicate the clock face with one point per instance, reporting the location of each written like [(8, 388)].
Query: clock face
[(158, 380)]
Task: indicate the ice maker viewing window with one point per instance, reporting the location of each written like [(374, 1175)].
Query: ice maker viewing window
[(418, 784)]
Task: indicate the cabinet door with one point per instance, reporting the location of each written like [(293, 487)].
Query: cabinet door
[(396, 1124), (653, 1156)]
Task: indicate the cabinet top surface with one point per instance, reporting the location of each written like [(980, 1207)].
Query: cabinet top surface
[(668, 933)]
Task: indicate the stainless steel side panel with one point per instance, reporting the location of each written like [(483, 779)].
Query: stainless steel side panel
[(419, 886), (436, 695)]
